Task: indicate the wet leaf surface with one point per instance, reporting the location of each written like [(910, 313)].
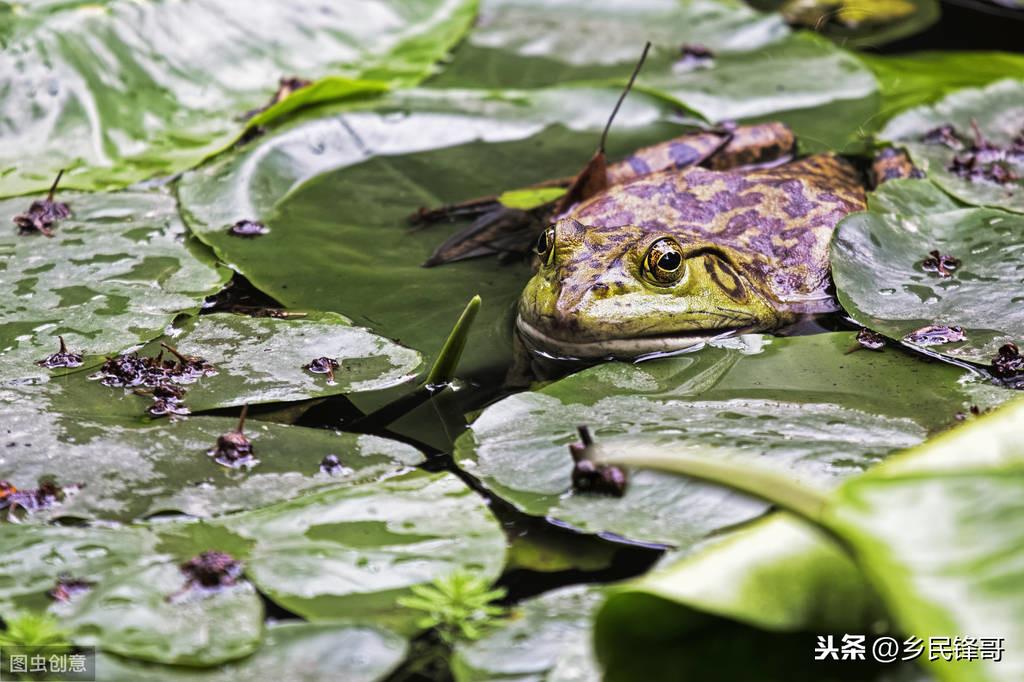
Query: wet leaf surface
[(303, 652), (121, 91), (801, 405), (881, 283), (351, 551), (129, 470), (991, 178), (336, 189), (547, 637), (539, 44), (115, 274)]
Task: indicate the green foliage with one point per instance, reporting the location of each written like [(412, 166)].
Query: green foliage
[(34, 630), (459, 606)]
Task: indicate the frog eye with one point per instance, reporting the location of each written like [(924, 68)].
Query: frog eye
[(545, 246), (664, 261)]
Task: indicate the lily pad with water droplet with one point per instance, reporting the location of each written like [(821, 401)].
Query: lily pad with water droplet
[(122, 91), (546, 637), (877, 261), (115, 274), (130, 470), (801, 405)]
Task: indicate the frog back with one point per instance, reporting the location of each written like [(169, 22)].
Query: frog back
[(775, 222)]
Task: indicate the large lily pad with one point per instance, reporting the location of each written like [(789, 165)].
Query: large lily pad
[(532, 43), (877, 261), (301, 652), (351, 551), (824, 93), (336, 190), (121, 91), (858, 23), (801, 405), (545, 638), (129, 470), (998, 113), (115, 273)]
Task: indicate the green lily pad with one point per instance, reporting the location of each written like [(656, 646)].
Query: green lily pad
[(129, 470), (262, 360), (336, 191), (534, 43), (130, 613), (545, 638), (802, 405), (115, 274), (121, 91), (998, 111), (351, 551), (302, 652), (877, 261), (919, 78), (824, 93)]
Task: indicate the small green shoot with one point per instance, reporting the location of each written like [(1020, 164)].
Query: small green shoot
[(33, 631), (447, 361), (459, 606)]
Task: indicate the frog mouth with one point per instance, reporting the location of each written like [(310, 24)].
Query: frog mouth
[(631, 347)]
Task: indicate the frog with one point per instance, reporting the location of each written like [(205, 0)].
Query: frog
[(674, 257), (717, 232)]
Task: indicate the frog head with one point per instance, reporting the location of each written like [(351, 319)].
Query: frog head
[(631, 291)]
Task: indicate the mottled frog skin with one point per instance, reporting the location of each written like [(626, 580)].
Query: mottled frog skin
[(669, 259)]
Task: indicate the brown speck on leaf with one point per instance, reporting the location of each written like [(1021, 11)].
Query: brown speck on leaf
[(154, 376), (332, 466), (323, 365), (589, 477), (286, 86), (43, 213), (869, 340), (207, 573), (248, 229), (46, 495), (1008, 361), (985, 160), (233, 449), (935, 334), (694, 56), (945, 135), (939, 263), (62, 358), (972, 411), (67, 588)]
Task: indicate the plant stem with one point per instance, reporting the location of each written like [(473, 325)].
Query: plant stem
[(729, 472)]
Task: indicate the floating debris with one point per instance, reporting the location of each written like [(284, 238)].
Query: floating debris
[(940, 263), (979, 159), (167, 399), (972, 411), (693, 57), (248, 229), (589, 477), (211, 569), (233, 449), (189, 367), (935, 334), (1008, 361), (945, 135), (332, 466), (154, 376), (67, 588), (47, 495), (323, 365), (43, 213), (62, 358), (869, 340), (286, 86), (207, 573)]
